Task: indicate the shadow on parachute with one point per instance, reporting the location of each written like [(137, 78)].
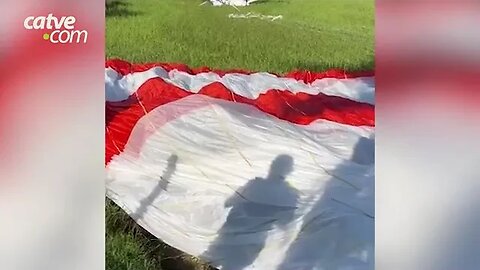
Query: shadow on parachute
[(249, 221), (327, 236), (162, 185)]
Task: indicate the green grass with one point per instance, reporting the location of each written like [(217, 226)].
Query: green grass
[(313, 34), (130, 247)]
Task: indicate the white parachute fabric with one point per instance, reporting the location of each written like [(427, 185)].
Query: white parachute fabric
[(118, 87), (245, 190), (245, 170)]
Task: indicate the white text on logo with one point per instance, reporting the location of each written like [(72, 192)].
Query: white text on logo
[(63, 28)]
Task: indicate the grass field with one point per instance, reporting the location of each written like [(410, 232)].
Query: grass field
[(313, 34)]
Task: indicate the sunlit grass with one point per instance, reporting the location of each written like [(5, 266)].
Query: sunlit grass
[(313, 34)]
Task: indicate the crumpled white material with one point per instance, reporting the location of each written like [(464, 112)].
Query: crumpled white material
[(251, 15), (118, 87), (238, 3)]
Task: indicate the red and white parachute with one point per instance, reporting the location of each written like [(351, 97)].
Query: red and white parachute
[(245, 170)]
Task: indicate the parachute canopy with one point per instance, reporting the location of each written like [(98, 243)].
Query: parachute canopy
[(245, 170)]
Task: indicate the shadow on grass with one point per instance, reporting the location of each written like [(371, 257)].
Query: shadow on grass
[(118, 8)]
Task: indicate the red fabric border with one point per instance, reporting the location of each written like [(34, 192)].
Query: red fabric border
[(300, 108), (124, 68)]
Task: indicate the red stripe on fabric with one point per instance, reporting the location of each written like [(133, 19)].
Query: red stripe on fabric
[(124, 68), (300, 108)]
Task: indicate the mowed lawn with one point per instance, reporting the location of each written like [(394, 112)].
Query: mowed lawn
[(313, 35)]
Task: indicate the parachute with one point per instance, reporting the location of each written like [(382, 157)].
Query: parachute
[(246, 170)]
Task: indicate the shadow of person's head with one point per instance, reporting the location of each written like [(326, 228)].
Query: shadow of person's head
[(364, 151), (172, 160), (171, 167), (281, 166)]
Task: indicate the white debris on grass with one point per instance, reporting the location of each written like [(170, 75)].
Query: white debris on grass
[(238, 3), (250, 15)]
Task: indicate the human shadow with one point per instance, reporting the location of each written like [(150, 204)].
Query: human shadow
[(338, 231), (256, 208), (162, 185)]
